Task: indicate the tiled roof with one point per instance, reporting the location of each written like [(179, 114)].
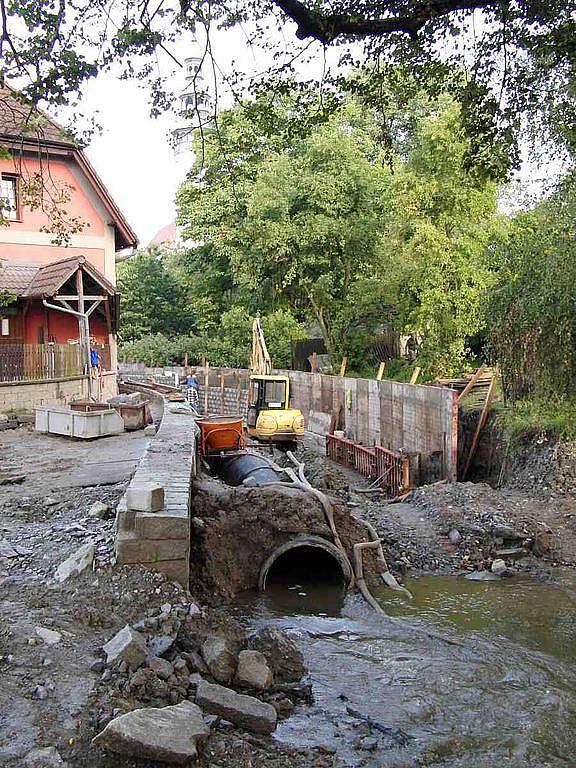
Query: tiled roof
[(19, 119), (50, 277), (16, 277), (44, 280)]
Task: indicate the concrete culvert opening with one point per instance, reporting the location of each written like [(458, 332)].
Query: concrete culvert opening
[(306, 560)]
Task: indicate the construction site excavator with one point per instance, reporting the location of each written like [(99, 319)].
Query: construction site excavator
[(270, 418)]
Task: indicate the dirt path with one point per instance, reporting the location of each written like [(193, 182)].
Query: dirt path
[(44, 519)]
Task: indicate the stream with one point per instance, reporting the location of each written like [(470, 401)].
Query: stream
[(466, 675)]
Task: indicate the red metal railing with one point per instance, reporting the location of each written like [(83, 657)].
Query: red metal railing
[(389, 469)]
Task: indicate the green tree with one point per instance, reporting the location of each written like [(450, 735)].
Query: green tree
[(152, 299)]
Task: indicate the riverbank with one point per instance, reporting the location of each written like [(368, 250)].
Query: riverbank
[(60, 690)]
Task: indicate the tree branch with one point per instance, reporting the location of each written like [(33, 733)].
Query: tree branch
[(325, 27)]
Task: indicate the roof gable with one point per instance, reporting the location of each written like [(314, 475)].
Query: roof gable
[(50, 277), (24, 126)]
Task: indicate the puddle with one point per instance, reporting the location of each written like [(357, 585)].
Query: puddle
[(476, 674)]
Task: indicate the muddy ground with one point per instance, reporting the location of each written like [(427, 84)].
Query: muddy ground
[(60, 694)]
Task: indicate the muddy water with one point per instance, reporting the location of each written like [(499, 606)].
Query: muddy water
[(467, 675)]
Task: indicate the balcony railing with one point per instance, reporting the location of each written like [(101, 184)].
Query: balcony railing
[(38, 362)]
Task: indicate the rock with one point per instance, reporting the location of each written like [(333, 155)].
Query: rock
[(281, 652), (194, 681), (77, 563), (219, 658), (44, 757), (498, 567), (48, 636), (253, 670), (97, 666), (99, 510), (150, 430), (160, 667), (167, 734), (7, 550), (244, 711), (194, 610), (161, 644), (128, 646), (40, 693), (482, 576), (455, 536)]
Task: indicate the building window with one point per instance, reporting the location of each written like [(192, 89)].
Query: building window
[(9, 197), (5, 326)]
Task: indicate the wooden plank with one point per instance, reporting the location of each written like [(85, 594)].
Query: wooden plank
[(471, 383), (343, 366), (380, 374), (481, 422), (415, 374)]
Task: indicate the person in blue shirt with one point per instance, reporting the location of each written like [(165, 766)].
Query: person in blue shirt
[(192, 387)]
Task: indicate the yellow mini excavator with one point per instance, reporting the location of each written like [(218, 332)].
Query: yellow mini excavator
[(270, 418)]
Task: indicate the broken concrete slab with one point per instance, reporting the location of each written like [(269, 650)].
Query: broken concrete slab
[(220, 658), (127, 645), (242, 710), (283, 655), (145, 497), (77, 563), (253, 670), (48, 636), (167, 734)]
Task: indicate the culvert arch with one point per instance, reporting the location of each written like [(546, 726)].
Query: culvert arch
[(309, 542)]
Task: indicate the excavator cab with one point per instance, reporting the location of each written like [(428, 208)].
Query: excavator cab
[(270, 418)]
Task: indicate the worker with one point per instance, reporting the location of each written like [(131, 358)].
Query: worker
[(192, 388)]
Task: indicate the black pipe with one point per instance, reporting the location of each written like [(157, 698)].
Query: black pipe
[(245, 469)]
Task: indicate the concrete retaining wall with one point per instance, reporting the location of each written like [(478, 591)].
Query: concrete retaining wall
[(161, 540), (402, 417), (30, 394)]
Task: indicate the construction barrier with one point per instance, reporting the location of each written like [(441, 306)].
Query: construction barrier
[(390, 470)]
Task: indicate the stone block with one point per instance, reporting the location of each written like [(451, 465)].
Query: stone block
[(162, 525), (165, 734), (145, 497), (244, 711), (132, 549), (175, 570), (127, 645)]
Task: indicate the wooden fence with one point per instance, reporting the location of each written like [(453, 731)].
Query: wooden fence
[(38, 362), (390, 470)]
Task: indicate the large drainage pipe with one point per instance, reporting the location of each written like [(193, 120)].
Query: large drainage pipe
[(306, 541), (244, 469)]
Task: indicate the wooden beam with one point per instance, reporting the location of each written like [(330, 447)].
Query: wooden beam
[(80, 290), (380, 374), (61, 297), (93, 307), (63, 301), (415, 375), (343, 366), (479, 426), (471, 383)]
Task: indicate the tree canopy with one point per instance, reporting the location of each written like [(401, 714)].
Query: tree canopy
[(517, 59)]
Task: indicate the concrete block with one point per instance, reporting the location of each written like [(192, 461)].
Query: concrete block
[(145, 497), (132, 549), (162, 525)]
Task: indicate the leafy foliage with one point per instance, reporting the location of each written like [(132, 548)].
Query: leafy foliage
[(534, 322)]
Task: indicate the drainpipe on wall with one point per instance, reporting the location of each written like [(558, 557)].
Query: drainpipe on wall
[(84, 337)]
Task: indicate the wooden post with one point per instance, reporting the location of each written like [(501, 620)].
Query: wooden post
[(314, 362), (415, 375), (380, 374), (222, 394), (481, 422), (206, 385), (186, 360), (343, 366)]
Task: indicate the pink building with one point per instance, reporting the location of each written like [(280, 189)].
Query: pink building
[(59, 237)]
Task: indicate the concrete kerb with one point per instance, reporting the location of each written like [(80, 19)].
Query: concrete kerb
[(161, 540)]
